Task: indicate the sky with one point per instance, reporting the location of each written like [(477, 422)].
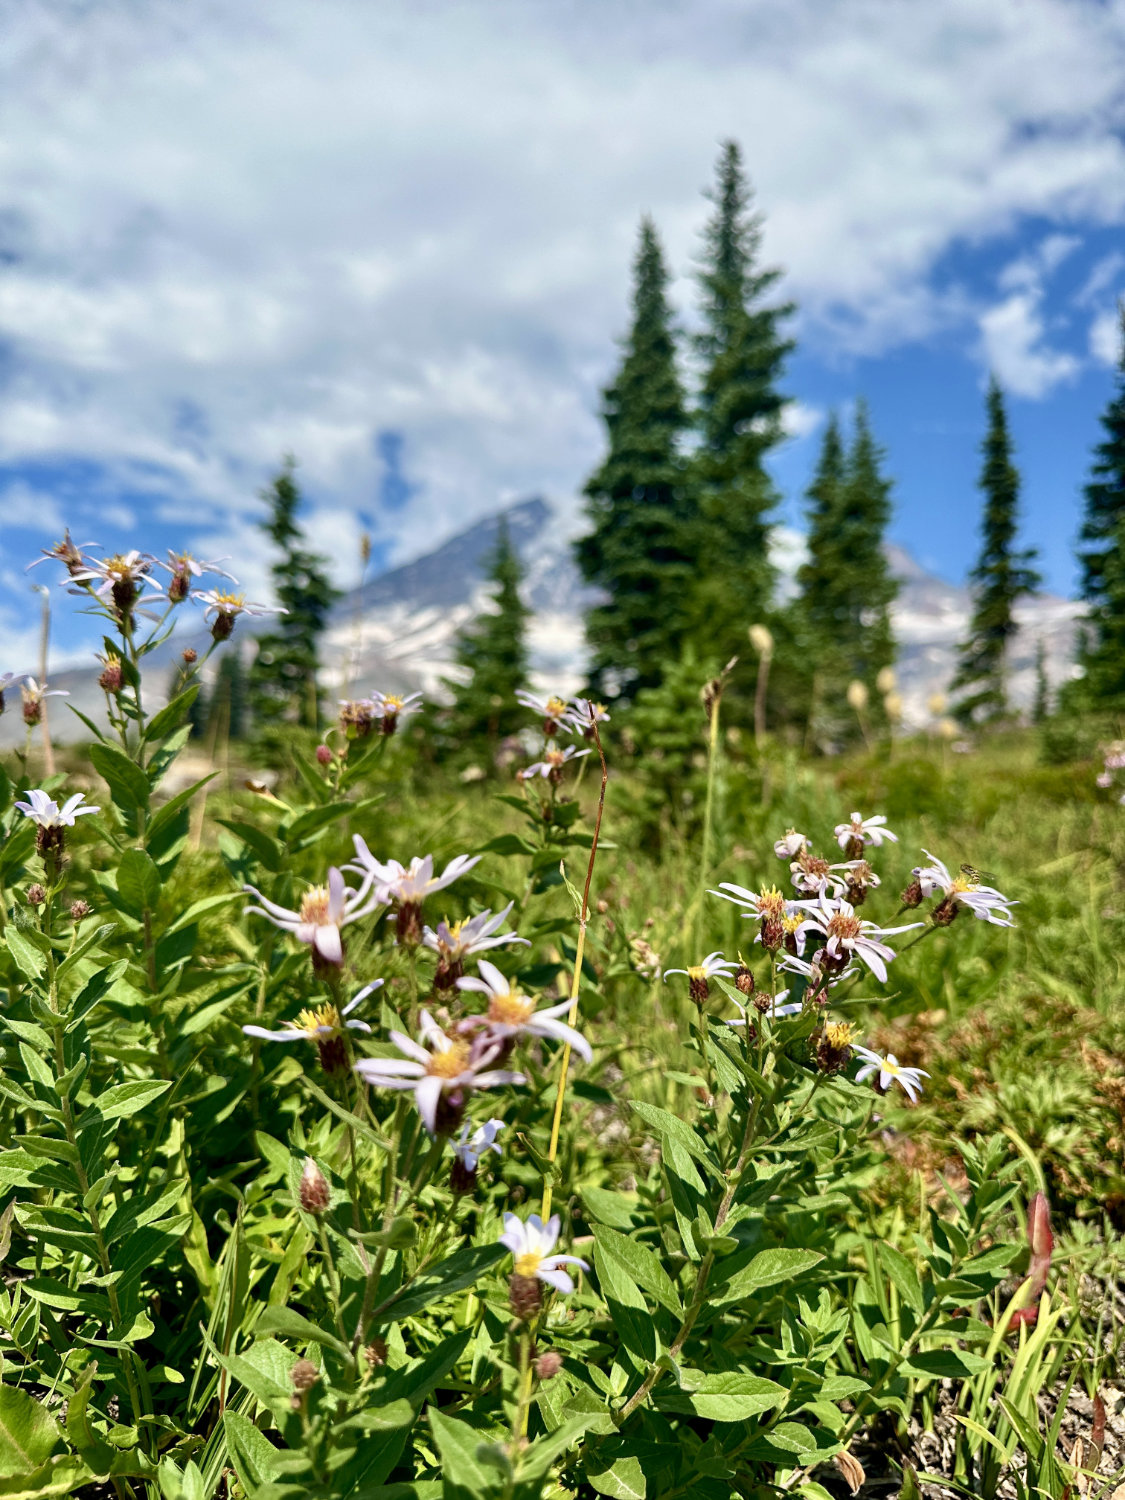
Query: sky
[(395, 240)]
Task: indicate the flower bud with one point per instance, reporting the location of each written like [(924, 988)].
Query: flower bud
[(761, 640), (323, 755), (79, 910), (304, 1375), (223, 626), (912, 895), (375, 1353), (111, 676), (948, 729), (945, 912), (525, 1296), (315, 1193), (886, 681), (548, 1365), (189, 655), (936, 704), (744, 980), (893, 705), (36, 895), (857, 695)]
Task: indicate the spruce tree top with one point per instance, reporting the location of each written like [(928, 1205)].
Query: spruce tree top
[(1102, 550)]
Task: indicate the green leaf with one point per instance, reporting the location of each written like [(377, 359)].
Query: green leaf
[(204, 904), (628, 1309), (292, 1325), (165, 815), (902, 1275), (269, 852), (615, 1209), (29, 1433), (254, 1457), (945, 1364), (314, 820), (457, 1444), (642, 1264), (452, 1275), (138, 881), (128, 784), (671, 1127), (173, 714), (124, 1099), (508, 843), (623, 1480), (29, 960), (726, 1397), (766, 1269)]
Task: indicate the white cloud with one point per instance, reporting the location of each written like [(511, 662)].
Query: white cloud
[(799, 419), (1105, 337), (308, 224)]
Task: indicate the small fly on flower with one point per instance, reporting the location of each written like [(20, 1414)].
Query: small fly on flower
[(977, 877)]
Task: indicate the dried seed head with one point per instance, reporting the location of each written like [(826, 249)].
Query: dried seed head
[(548, 1365), (525, 1296), (36, 895), (912, 895), (744, 980), (315, 1193), (304, 1375), (79, 910), (851, 1471)]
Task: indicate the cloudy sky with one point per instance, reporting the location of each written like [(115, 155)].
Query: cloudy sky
[(395, 238)]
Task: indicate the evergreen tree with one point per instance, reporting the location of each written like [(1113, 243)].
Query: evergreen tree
[(739, 415), (846, 586), (1102, 553), (492, 651), (637, 552), (1041, 707), (228, 696), (1001, 578), (283, 674)]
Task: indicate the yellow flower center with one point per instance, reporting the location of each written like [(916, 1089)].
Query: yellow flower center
[(555, 708), (228, 604), (791, 923), (450, 1063), (771, 903), (119, 567), (555, 758), (392, 703), (961, 884), (314, 905), (512, 1009), (891, 1067), (843, 926), (528, 1263), (696, 971), (839, 1034), (310, 1021)]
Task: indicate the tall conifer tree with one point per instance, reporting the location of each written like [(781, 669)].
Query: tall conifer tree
[(283, 675), (846, 586), (1001, 578), (638, 551), (739, 415), (1102, 552), (493, 652)]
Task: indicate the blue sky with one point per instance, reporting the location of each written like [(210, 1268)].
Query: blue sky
[(395, 240)]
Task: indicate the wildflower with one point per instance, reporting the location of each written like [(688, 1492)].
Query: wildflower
[(644, 957), (36, 895), (551, 766), (744, 979), (782, 921), (834, 1048), (323, 1024), (813, 875), (406, 888), (861, 879), (184, 569), (583, 714), (552, 710), (111, 676), (791, 845), (391, 707), (314, 1192), (848, 934), (443, 1071), (984, 901), (761, 638), (531, 1245), (66, 552), (51, 818), (548, 1365), (357, 717), (32, 696), (699, 974), (80, 910), (857, 695), (120, 579), (468, 1152), (455, 942), (768, 1005), (512, 1014), (323, 911), (853, 836), (5, 683), (890, 1071), (189, 656), (227, 607)]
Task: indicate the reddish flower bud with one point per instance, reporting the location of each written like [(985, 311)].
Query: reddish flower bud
[(323, 755), (79, 910), (189, 655), (525, 1296), (315, 1193), (36, 895), (548, 1365)]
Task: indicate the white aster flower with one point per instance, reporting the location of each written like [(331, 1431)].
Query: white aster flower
[(227, 607), (441, 1070), (321, 1023), (890, 1071), (323, 911), (67, 552), (861, 831), (697, 975), (813, 875), (394, 882), (532, 1245), (984, 901), (777, 1006), (31, 699), (583, 714), (118, 577), (184, 568), (512, 1014), (41, 809), (791, 845), (453, 942), (389, 708), (470, 1148), (551, 766), (848, 935)]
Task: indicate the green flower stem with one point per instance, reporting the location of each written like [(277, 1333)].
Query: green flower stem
[(333, 1279)]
